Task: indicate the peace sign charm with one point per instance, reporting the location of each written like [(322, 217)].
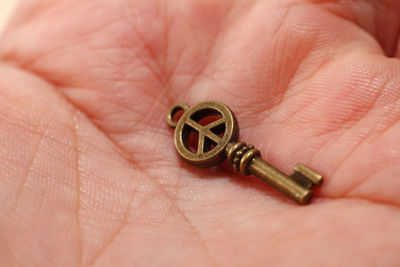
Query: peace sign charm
[(208, 133), (213, 136)]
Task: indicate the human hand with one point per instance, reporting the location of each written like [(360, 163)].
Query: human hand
[(88, 170)]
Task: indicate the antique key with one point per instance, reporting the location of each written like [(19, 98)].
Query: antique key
[(218, 140)]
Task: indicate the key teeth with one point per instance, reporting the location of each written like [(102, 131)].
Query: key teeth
[(240, 155), (306, 177)]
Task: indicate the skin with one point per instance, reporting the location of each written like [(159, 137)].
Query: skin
[(89, 175)]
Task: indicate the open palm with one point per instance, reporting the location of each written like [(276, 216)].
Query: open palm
[(88, 170)]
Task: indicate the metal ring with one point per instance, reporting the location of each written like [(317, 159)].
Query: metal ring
[(172, 111), (190, 120), (245, 160)]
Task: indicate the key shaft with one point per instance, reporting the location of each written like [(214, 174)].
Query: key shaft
[(247, 160), (280, 181)]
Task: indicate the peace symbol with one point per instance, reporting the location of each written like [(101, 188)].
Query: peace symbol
[(212, 137)]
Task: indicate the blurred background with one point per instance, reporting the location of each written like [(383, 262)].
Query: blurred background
[(6, 8)]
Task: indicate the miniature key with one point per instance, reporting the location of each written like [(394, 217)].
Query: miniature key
[(218, 140)]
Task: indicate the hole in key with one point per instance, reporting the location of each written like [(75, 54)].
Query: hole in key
[(191, 139), (209, 144), (177, 114), (219, 130), (208, 119)]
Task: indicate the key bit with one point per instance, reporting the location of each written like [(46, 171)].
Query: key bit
[(218, 140)]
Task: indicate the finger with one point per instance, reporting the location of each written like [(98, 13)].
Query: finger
[(378, 18)]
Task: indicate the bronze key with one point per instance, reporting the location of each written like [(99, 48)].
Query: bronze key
[(218, 140)]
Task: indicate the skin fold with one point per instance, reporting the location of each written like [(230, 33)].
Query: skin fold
[(89, 175)]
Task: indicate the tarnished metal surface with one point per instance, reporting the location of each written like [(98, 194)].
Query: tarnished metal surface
[(217, 139)]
